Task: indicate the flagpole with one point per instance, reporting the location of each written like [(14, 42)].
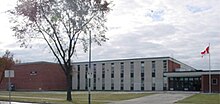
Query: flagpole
[(210, 85)]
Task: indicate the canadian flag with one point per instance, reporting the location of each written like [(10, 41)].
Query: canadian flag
[(206, 51)]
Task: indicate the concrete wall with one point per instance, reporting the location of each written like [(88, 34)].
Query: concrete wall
[(159, 80)]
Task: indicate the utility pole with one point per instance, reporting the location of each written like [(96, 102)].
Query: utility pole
[(89, 72)]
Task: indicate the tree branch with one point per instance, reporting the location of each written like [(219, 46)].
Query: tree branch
[(54, 32), (53, 51)]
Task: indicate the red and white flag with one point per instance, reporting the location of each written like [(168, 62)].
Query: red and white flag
[(206, 51)]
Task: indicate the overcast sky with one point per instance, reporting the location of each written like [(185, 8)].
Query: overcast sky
[(142, 28)]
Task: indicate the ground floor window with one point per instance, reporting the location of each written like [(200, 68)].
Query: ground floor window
[(214, 81), (185, 83)]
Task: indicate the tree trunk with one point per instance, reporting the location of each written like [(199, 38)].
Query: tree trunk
[(2, 76), (69, 87)]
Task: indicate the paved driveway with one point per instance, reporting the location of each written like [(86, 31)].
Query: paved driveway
[(165, 98), (1, 102)]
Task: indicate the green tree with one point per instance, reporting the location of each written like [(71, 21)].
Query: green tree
[(6, 61), (62, 24)]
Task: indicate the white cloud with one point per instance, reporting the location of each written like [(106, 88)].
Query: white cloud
[(146, 28)]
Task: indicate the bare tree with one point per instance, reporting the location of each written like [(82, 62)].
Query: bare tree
[(62, 24)]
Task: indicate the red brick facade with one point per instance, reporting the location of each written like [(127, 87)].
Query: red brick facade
[(172, 66), (205, 83), (37, 76)]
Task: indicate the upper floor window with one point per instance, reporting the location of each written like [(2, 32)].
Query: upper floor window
[(103, 66), (78, 67), (112, 67), (122, 65), (142, 66), (132, 67), (165, 65), (153, 66), (86, 67)]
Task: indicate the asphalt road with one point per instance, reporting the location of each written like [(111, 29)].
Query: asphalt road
[(166, 98)]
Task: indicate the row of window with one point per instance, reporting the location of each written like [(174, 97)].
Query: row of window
[(121, 73)]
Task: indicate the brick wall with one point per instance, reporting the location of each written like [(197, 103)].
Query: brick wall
[(172, 66), (205, 83), (37, 76)]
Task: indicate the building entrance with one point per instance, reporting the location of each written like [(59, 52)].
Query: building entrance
[(185, 83)]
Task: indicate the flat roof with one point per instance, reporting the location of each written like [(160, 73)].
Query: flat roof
[(191, 73), (125, 59)]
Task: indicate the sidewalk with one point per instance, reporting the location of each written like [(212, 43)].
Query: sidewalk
[(4, 102), (166, 98)]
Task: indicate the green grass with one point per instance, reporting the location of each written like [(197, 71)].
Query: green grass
[(201, 99), (78, 97)]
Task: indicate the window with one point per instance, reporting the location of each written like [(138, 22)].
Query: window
[(94, 88), (132, 69), (132, 80), (94, 81), (112, 70), (86, 67), (94, 71), (165, 86), (171, 79), (112, 75), (122, 88), (142, 86), (132, 65), (112, 86), (103, 84), (33, 73), (142, 79), (122, 75), (153, 74), (132, 86), (122, 80), (142, 66), (214, 81), (153, 67), (122, 65), (142, 75), (78, 76), (94, 66), (94, 75), (132, 75), (112, 83), (86, 72), (153, 86), (103, 70), (78, 67), (132, 83), (165, 65)]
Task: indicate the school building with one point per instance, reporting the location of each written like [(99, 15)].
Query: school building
[(136, 74)]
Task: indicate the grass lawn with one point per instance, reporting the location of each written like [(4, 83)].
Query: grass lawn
[(201, 99), (78, 97)]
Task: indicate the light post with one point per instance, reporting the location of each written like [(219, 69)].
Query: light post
[(89, 72)]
